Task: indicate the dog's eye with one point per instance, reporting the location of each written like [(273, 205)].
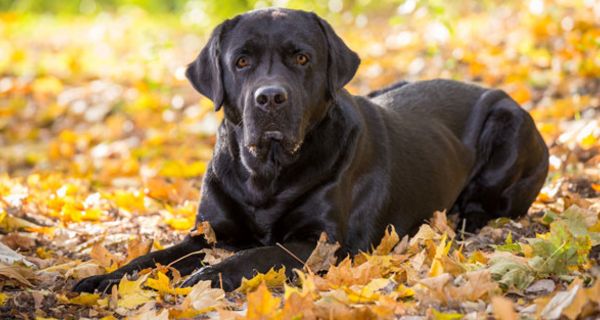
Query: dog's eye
[(302, 59), (242, 62)]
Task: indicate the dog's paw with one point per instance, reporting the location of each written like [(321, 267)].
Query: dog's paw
[(212, 274), (100, 283)]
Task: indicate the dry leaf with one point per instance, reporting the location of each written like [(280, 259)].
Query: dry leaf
[(204, 298), (503, 308), (271, 279), (137, 247), (439, 223), (323, 256), (388, 242), (262, 304), (102, 256), (131, 294), (18, 273)]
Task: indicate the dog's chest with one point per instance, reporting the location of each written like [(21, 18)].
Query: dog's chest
[(262, 223)]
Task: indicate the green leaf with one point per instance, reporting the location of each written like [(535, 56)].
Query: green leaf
[(510, 272)]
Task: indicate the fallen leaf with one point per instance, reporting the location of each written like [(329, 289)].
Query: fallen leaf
[(204, 298), (131, 293), (18, 273), (262, 304), (503, 308), (323, 256), (162, 284), (271, 279), (388, 242)]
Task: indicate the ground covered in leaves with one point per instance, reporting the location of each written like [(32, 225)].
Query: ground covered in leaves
[(103, 145)]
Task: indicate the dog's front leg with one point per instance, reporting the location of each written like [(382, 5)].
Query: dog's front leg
[(178, 255), (247, 263)]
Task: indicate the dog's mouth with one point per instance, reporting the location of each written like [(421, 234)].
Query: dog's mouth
[(273, 143)]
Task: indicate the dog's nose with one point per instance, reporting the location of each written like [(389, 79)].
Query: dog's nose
[(270, 96)]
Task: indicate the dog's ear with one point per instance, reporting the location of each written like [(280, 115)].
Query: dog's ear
[(342, 62), (205, 73)]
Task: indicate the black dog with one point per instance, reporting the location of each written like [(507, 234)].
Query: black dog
[(298, 155)]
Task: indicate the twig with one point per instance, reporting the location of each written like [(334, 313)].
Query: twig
[(186, 256), (292, 254)]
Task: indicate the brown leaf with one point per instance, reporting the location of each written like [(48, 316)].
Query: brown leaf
[(18, 273), (137, 247), (439, 223), (16, 240), (323, 256), (206, 230), (102, 256)]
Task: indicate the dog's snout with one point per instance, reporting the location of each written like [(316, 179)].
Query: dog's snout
[(270, 96)]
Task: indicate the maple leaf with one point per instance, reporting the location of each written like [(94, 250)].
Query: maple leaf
[(104, 257), (137, 247), (298, 306), (131, 294), (439, 223), (262, 304), (511, 271), (388, 242), (83, 299), (271, 279), (203, 297), (323, 256), (162, 284)]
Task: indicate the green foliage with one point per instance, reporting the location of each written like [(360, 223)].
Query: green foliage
[(509, 245), (511, 272), (564, 248)]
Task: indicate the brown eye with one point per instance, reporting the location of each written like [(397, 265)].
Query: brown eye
[(301, 59), (242, 62)]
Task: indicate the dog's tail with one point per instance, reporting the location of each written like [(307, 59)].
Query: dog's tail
[(387, 89)]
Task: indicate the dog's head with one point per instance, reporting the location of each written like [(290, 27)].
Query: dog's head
[(275, 72)]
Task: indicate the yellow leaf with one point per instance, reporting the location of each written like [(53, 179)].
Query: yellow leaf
[(271, 279), (132, 295), (367, 293), (405, 292), (179, 223), (163, 286), (262, 304), (130, 201), (9, 223), (85, 299), (308, 286), (445, 316), (3, 298), (441, 250)]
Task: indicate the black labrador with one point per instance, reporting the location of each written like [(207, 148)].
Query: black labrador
[(297, 155)]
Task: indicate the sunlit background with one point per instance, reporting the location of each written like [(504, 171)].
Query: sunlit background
[(103, 143), (93, 92)]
